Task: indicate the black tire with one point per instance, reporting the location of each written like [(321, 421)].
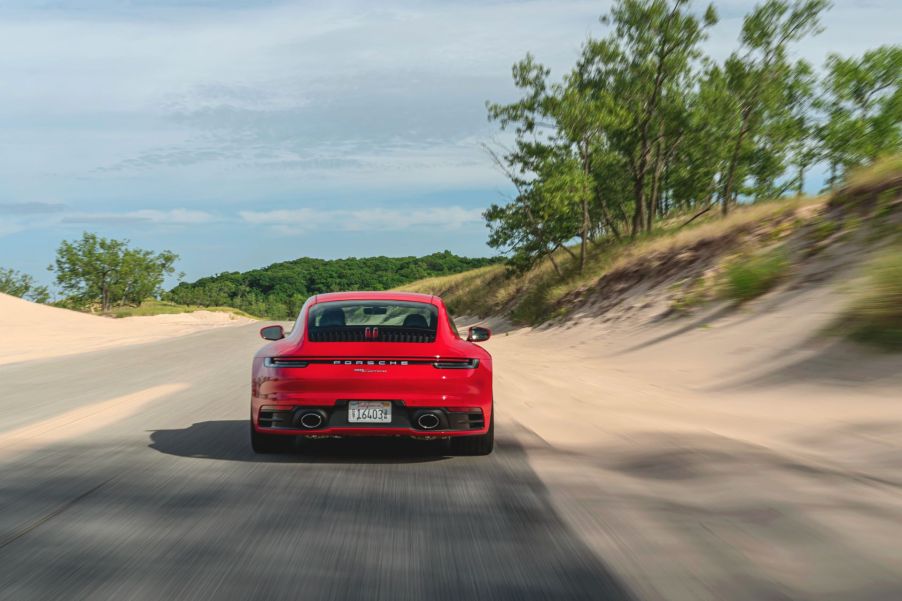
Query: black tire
[(268, 444), (475, 445)]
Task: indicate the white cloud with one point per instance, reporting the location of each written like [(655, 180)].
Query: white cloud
[(191, 95), (149, 216), (289, 221)]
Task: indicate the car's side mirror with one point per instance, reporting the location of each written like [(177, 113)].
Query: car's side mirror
[(272, 333), (478, 334)]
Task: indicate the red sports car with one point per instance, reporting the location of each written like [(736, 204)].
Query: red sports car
[(373, 364)]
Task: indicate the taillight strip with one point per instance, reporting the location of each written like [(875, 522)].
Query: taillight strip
[(284, 362), (456, 364)]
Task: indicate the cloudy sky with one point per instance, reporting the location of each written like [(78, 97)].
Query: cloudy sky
[(239, 133)]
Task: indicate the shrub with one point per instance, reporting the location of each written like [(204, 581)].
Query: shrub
[(748, 277), (876, 314)]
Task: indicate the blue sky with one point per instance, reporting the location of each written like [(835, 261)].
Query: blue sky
[(239, 133)]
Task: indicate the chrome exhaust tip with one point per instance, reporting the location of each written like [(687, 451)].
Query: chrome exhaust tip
[(428, 421), (311, 420)]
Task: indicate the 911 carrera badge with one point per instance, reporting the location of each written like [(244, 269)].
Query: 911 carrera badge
[(370, 371)]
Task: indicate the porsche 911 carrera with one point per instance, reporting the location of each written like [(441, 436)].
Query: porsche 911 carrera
[(373, 364)]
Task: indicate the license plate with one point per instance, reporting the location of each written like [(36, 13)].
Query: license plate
[(369, 412)]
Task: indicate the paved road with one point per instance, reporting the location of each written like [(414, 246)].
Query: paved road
[(166, 501)]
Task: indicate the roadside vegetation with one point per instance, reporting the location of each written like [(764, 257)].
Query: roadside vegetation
[(749, 277), (16, 283), (153, 306), (737, 258), (102, 273), (669, 252), (875, 315)]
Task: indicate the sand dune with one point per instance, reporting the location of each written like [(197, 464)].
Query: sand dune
[(734, 454), (32, 331)]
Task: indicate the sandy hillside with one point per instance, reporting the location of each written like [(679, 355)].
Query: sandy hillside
[(32, 331), (733, 454)]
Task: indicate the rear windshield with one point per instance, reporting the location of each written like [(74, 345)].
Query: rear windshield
[(372, 321)]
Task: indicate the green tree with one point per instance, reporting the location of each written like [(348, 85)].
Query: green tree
[(757, 77), (20, 284), (862, 100), (544, 215), (649, 63), (105, 271)]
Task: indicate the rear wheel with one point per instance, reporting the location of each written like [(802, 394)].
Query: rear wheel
[(270, 443), (475, 445)]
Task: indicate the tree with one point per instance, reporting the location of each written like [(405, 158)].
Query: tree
[(20, 284), (757, 75), (655, 43), (862, 99), (544, 215), (108, 272)]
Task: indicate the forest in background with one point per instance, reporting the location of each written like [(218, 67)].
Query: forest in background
[(278, 291)]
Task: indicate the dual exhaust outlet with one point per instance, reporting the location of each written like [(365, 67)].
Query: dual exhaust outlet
[(315, 418)]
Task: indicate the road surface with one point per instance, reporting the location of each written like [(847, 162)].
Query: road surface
[(127, 474)]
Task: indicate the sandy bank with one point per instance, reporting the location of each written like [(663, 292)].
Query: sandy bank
[(31, 331), (733, 454)]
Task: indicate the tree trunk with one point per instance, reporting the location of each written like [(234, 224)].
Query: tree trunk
[(655, 181), (587, 222), (606, 215), (584, 235), (734, 160), (638, 212), (554, 263)]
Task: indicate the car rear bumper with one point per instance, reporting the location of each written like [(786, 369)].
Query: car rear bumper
[(460, 397), (450, 421)]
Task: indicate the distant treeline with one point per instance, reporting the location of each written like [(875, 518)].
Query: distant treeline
[(646, 125), (278, 291)]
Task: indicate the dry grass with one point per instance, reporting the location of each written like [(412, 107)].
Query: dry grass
[(541, 294), (885, 170), (155, 307)]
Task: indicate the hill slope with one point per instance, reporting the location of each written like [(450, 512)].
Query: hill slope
[(854, 235)]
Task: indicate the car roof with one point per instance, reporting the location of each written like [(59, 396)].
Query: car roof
[(413, 297)]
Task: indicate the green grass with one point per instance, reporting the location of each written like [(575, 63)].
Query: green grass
[(155, 307), (749, 277), (875, 315)]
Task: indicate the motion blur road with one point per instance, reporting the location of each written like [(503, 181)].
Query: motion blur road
[(127, 474)]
